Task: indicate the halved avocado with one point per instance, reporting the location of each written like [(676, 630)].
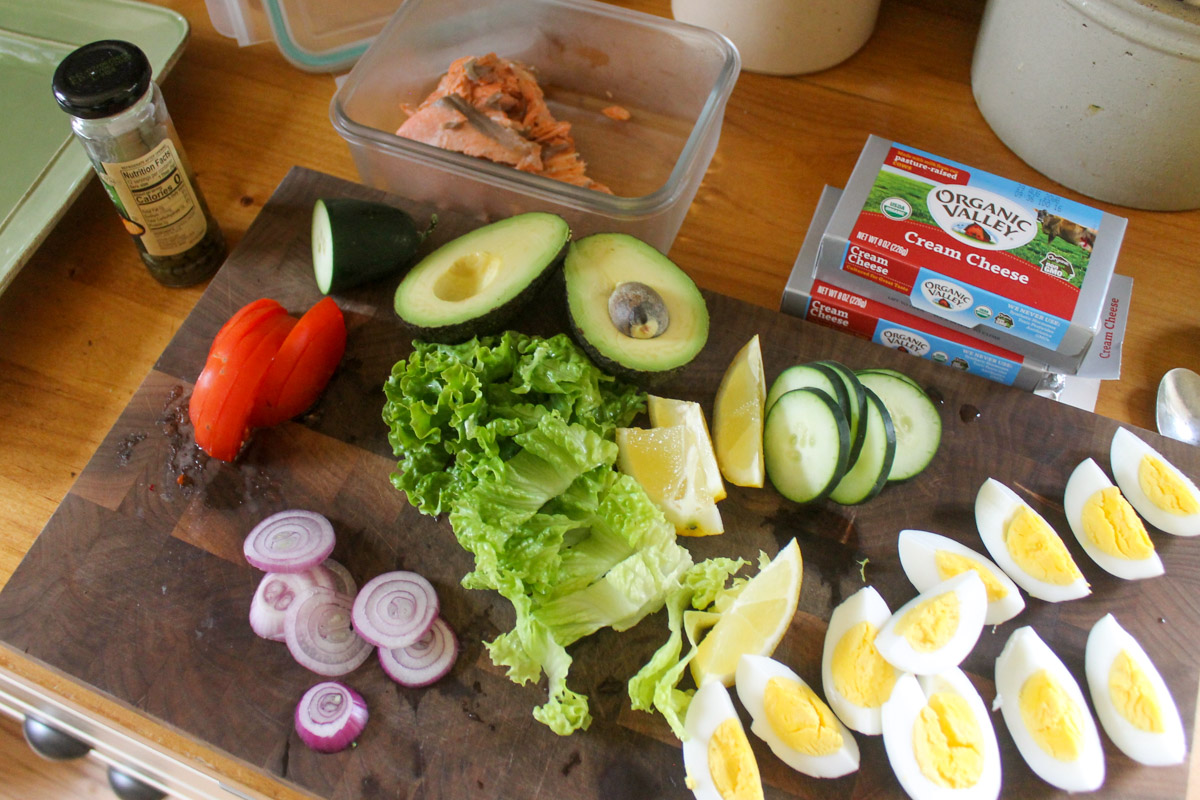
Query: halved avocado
[(635, 312), (472, 285)]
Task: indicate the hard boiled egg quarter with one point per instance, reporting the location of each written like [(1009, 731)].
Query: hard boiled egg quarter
[(1047, 715), (936, 629), (1106, 525), (790, 717), (930, 558), (856, 679), (939, 738), (1132, 700), (717, 758), (1163, 495), (1025, 546)]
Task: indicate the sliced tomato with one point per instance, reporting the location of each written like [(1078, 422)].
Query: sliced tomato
[(229, 385), (235, 329), (242, 322), (303, 366)]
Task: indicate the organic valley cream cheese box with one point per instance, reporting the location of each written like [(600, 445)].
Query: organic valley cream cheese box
[(1017, 266), (840, 308)]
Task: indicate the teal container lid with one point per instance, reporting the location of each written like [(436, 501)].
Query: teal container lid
[(320, 36)]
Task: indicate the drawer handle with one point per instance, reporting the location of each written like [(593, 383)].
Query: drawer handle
[(127, 787), (52, 743)]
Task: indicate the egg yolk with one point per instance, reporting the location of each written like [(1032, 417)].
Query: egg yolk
[(929, 625), (859, 673), (947, 742), (1164, 488), (1036, 548), (1133, 695), (800, 718), (731, 763), (1051, 716), (1114, 527), (950, 564)]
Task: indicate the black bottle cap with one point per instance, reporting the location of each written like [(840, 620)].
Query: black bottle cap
[(101, 79)]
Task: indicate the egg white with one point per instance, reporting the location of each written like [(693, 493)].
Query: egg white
[(918, 549), (1125, 455), (995, 506), (1106, 640), (900, 715), (1087, 479), (972, 607), (1024, 654), (865, 605), (710, 706), (752, 675)]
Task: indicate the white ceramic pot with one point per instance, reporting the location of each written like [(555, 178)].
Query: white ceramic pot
[(1102, 96), (785, 37)]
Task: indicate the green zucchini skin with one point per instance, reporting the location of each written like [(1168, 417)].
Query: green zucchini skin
[(355, 242)]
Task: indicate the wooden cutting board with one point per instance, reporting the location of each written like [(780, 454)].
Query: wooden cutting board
[(137, 587)]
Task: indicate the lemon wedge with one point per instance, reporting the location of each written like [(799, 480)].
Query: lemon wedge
[(738, 417), (755, 621), (666, 461), (666, 411)]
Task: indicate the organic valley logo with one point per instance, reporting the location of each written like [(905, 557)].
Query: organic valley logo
[(905, 341), (983, 219), (944, 294)]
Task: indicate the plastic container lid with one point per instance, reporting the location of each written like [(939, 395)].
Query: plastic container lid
[(314, 35)]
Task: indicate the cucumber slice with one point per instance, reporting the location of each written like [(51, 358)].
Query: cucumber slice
[(895, 373), (357, 241), (916, 419), (815, 376), (866, 477), (806, 440), (856, 406)]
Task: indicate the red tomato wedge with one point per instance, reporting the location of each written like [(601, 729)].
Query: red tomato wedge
[(243, 321), (229, 384), (303, 366)]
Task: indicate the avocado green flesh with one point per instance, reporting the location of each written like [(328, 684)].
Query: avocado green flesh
[(473, 284), (594, 267)]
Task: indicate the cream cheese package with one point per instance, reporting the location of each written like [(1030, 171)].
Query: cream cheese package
[(810, 297), (1016, 266)]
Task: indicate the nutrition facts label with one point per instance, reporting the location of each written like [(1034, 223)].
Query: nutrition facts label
[(156, 197)]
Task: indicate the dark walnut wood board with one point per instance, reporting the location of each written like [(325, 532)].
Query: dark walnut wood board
[(137, 589)]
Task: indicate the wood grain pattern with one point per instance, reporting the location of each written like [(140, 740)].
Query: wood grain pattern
[(83, 322), (137, 588)]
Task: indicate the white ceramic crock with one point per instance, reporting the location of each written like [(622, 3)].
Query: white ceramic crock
[(1102, 96), (785, 37)]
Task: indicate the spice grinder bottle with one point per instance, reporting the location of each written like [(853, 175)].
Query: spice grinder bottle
[(118, 114)]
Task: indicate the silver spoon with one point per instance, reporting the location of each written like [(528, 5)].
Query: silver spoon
[(1178, 409)]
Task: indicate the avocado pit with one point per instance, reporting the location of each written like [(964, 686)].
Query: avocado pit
[(638, 311)]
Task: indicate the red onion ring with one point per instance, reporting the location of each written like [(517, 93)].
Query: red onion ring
[(343, 581), (330, 716), (319, 635), (395, 609), (425, 661), (276, 592), (289, 541)]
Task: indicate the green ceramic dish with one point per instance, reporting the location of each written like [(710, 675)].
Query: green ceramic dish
[(43, 168)]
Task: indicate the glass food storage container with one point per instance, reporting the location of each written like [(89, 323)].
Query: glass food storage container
[(673, 78)]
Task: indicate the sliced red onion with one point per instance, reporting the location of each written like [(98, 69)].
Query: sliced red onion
[(289, 541), (276, 592), (395, 609), (425, 661), (319, 635), (343, 581), (330, 716)]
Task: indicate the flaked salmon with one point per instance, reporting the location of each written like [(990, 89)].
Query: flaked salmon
[(492, 107)]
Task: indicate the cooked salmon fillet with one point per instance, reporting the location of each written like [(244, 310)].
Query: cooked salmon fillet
[(491, 107)]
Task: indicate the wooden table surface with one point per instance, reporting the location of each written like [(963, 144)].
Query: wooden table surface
[(83, 322)]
